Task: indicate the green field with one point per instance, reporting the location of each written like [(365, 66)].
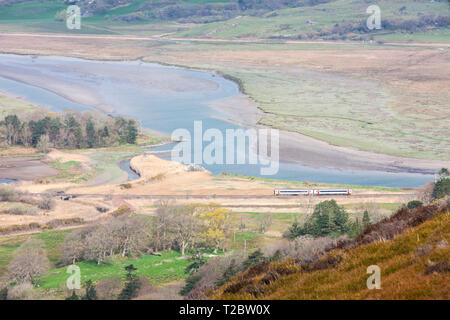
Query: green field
[(159, 270)]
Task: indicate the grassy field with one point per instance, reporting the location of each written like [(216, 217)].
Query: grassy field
[(40, 17), (159, 270), (291, 22)]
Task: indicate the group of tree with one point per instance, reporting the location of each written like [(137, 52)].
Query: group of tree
[(328, 220), (123, 235), (190, 227), (71, 130)]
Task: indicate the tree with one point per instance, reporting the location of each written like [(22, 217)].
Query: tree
[(90, 294), (366, 218), (441, 188), (132, 132), (73, 296), (29, 262), (414, 204), (190, 284), (43, 143), (185, 227), (91, 134), (228, 274), (264, 222), (197, 262), (4, 293), (328, 219), (425, 193), (12, 125), (216, 227), (132, 286), (253, 259)]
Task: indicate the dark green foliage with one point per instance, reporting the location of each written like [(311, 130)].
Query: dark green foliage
[(132, 132), (74, 296), (4, 293), (197, 261), (254, 258), (91, 135), (277, 256), (190, 284), (355, 228), (414, 204), (228, 274), (66, 131), (366, 218), (328, 219), (441, 188), (91, 293), (132, 286)]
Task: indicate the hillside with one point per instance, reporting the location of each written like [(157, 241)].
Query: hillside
[(402, 20), (414, 264)]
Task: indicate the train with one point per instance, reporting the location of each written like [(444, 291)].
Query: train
[(312, 192)]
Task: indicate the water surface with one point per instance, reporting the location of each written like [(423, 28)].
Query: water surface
[(163, 99)]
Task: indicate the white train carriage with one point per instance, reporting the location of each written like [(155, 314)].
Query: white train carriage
[(291, 192), (332, 192), (314, 192)]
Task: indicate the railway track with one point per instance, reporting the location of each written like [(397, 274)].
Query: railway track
[(158, 197)]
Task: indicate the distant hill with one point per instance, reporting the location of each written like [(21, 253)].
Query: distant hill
[(411, 248), (273, 19)]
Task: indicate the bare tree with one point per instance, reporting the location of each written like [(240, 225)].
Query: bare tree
[(122, 235), (185, 227), (264, 221), (425, 193), (43, 144), (30, 261)]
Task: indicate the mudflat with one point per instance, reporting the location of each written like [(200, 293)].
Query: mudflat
[(25, 169)]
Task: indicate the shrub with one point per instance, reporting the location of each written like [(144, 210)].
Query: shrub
[(7, 193), (414, 204), (122, 210), (46, 204), (109, 289), (21, 291), (17, 210)]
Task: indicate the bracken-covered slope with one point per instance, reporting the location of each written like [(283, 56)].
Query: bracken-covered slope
[(411, 248)]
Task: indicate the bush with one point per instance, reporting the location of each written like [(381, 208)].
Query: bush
[(22, 291), (46, 204), (7, 193), (120, 211), (414, 204)]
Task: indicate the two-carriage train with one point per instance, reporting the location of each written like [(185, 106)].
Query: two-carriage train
[(312, 192)]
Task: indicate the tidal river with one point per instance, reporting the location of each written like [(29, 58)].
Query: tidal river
[(162, 99)]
